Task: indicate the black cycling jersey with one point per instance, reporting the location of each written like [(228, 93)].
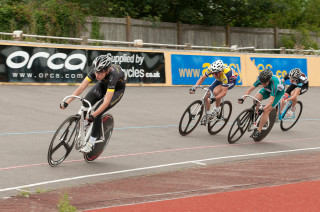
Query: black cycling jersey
[(303, 80), (301, 83), (114, 80)]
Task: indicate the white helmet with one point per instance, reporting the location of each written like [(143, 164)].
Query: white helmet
[(102, 62), (295, 73), (217, 66)]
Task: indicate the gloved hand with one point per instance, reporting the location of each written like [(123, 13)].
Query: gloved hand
[(192, 90), (91, 118), (64, 105), (212, 100), (260, 111), (240, 100)]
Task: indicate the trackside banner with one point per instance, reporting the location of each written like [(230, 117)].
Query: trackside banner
[(280, 66), (63, 65), (186, 69)]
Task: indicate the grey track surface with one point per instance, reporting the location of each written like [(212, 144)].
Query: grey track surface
[(145, 135)]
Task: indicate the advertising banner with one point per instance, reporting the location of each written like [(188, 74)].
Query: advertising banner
[(186, 69), (63, 65), (280, 66)]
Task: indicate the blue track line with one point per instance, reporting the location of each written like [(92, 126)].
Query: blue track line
[(123, 128)]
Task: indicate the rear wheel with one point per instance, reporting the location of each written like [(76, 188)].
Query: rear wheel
[(219, 122), (240, 126), (63, 140), (288, 122), (191, 117), (107, 129)]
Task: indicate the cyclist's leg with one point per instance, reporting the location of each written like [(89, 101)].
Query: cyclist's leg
[(96, 94), (212, 88), (97, 121), (261, 95)]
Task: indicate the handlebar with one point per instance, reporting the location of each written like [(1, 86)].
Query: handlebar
[(81, 99), (206, 89)]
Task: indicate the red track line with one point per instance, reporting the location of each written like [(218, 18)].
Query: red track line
[(159, 151)]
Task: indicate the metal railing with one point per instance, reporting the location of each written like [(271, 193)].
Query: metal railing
[(19, 36)]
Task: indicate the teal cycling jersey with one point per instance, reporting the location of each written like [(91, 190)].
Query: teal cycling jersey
[(275, 85)]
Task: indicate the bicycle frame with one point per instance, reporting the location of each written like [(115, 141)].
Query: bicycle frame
[(203, 100), (280, 115), (256, 118), (83, 138)]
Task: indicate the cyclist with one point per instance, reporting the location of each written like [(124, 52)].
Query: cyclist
[(273, 88), (299, 85), (109, 89), (225, 79)]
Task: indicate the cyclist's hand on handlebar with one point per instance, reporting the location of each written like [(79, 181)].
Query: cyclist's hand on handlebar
[(91, 118), (240, 100), (192, 90), (260, 111), (64, 105)]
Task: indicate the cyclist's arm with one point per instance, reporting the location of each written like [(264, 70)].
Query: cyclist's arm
[(201, 79), (106, 102), (79, 90), (249, 91)]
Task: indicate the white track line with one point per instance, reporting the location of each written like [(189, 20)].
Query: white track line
[(152, 167)]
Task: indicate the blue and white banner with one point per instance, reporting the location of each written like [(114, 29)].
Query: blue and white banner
[(186, 69), (280, 66)]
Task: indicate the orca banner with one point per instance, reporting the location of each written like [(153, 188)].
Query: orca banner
[(62, 65)]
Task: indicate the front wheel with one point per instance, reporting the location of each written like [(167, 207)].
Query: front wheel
[(191, 117), (240, 126), (288, 122), (63, 140), (106, 130), (268, 126), (219, 122)]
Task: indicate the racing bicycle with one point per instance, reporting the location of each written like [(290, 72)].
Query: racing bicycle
[(193, 115), (249, 120), (74, 133)]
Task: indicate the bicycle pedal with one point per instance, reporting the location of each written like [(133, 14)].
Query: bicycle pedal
[(99, 141)]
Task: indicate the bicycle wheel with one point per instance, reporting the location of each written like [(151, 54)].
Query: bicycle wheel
[(191, 117), (288, 123), (270, 123), (63, 140), (240, 126), (220, 121), (107, 123)]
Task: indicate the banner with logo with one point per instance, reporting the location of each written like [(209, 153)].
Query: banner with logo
[(63, 65), (187, 69), (280, 66)]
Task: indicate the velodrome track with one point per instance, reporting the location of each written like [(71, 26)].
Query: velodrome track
[(145, 139)]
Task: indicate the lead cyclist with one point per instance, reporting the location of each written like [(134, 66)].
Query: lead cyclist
[(108, 91)]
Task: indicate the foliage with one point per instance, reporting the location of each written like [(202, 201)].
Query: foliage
[(42, 17), (64, 204)]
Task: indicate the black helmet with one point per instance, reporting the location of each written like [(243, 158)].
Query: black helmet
[(265, 76), (102, 62)]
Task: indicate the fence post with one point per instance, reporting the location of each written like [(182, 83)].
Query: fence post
[(128, 28), (84, 40), (179, 33), (228, 33), (17, 35), (276, 36)]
